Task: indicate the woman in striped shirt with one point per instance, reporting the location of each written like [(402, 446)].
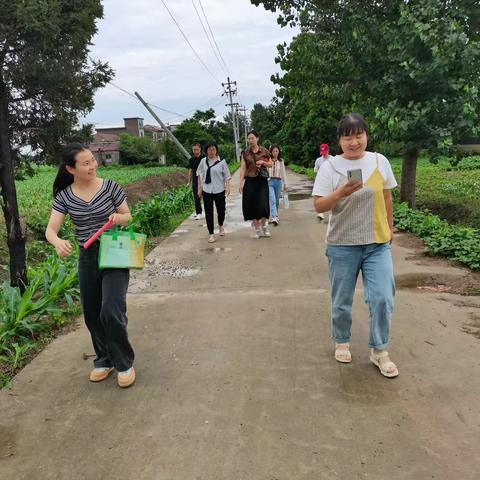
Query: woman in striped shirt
[(91, 202)]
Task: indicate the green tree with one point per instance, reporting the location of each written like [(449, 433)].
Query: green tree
[(138, 150), (411, 68), (46, 81)]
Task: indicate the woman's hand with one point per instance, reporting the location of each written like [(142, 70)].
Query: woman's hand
[(259, 163), (240, 189), (348, 188), (63, 248), (117, 219), (285, 188)]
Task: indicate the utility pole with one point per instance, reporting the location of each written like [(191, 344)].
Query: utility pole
[(243, 110), (230, 90), (165, 128)]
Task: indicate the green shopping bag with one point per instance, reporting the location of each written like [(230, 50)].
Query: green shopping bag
[(122, 249)]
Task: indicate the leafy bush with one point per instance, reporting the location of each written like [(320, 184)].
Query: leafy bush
[(441, 238), (135, 150), (153, 217)]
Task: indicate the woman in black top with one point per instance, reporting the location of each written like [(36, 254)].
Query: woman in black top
[(91, 202)]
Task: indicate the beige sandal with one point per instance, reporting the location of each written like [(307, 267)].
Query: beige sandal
[(343, 355), (221, 231), (384, 367), (211, 239)]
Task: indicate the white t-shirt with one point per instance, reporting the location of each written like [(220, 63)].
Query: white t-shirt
[(327, 178), (319, 161)]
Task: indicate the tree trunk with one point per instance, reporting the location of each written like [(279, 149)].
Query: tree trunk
[(16, 234), (409, 177)]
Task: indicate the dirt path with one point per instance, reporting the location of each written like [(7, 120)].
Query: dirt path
[(236, 379)]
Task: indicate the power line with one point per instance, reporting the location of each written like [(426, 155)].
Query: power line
[(151, 104), (189, 44), (208, 37), (213, 37)]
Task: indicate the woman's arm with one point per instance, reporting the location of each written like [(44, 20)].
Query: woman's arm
[(387, 195), (200, 186), (243, 168), (324, 204), (122, 215), (62, 247)]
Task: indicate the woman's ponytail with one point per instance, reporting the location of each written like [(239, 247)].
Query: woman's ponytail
[(64, 178)]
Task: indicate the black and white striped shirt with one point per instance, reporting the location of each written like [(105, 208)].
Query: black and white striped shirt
[(88, 217)]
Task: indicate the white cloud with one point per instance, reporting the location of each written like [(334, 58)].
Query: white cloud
[(148, 53)]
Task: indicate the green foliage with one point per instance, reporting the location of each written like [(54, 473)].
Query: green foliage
[(24, 319), (47, 70), (303, 170), (138, 150), (455, 242), (411, 68), (153, 217)]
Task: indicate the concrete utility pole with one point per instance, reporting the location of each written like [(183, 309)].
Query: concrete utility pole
[(165, 128), (230, 89), (243, 110)]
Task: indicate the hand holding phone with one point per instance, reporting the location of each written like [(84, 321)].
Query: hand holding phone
[(355, 175)]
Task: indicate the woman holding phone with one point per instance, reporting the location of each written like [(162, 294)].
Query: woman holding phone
[(91, 202), (356, 187)]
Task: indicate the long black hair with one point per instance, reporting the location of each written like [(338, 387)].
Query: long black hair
[(279, 151), (64, 178), (351, 124)]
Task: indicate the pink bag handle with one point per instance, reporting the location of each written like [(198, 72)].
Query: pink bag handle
[(108, 225)]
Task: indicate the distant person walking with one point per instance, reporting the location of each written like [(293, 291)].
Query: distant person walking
[(193, 164), (254, 166), (277, 181), (214, 186), (324, 155), (356, 187)]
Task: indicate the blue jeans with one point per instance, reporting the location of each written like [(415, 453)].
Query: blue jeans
[(274, 191), (344, 265)]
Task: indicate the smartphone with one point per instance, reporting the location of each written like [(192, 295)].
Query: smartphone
[(355, 175)]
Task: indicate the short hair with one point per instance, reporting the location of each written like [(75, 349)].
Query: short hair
[(351, 124), (253, 132), (211, 144), (196, 144)]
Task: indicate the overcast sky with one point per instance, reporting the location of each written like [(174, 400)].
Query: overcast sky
[(148, 53)]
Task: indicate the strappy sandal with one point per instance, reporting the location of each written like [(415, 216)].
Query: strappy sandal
[(384, 367), (343, 355)]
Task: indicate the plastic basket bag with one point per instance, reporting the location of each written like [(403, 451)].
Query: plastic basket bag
[(286, 203), (122, 249)]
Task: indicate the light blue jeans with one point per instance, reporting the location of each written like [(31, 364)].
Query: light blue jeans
[(275, 189), (375, 262)]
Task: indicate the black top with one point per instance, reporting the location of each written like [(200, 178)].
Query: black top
[(88, 217), (193, 163)]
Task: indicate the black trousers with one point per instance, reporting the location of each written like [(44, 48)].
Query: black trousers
[(196, 198), (104, 300), (208, 200)]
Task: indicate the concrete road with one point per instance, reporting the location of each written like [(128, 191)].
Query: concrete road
[(236, 376)]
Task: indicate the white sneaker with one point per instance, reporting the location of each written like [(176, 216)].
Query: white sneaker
[(266, 232), (320, 216), (196, 216), (256, 235), (275, 221)]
